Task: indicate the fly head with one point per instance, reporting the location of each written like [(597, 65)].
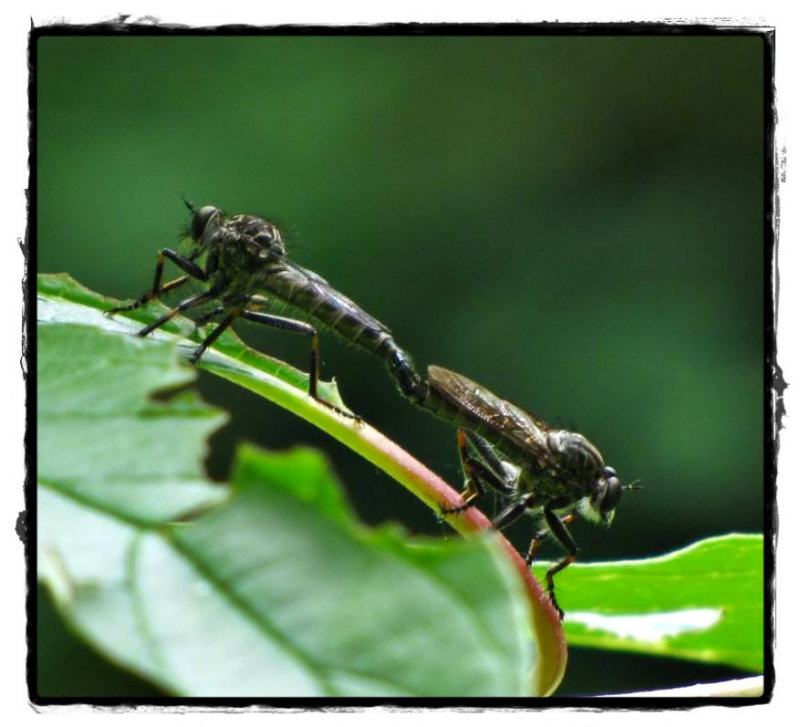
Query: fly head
[(580, 459), (601, 504), (247, 241), (201, 221)]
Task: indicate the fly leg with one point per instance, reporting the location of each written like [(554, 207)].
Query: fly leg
[(536, 542), (201, 320), (223, 325), (290, 324), (483, 471), (513, 512), (190, 302), (556, 526), (192, 269), (218, 331)]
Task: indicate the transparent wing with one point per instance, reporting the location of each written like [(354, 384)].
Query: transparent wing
[(490, 411)]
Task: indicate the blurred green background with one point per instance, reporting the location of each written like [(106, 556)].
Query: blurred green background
[(575, 222)]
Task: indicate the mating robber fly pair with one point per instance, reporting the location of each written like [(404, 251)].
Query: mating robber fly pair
[(535, 469)]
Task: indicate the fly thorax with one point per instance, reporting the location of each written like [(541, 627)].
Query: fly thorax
[(253, 237), (576, 453), (268, 243)]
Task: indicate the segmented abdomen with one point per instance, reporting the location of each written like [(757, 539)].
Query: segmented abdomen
[(313, 297)]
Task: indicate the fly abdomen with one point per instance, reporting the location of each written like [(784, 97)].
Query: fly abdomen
[(355, 326), (316, 299), (402, 368), (445, 409), (333, 311)]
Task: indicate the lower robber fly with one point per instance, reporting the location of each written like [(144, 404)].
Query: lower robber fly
[(246, 268), (535, 469)]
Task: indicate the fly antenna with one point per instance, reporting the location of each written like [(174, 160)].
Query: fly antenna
[(633, 486), (189, 204)]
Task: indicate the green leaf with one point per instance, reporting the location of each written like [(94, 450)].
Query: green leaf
[(63, 300), (268, 587), (101, 441), (704, 602)]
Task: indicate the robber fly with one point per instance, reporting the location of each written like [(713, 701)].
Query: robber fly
[(550, 473), (246, 268)]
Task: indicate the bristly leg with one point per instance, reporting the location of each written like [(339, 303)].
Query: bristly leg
[(483, 471), (216, 333), (557, 527), (147, 297), (470, 466), (295, 326), (191, 269), (537, 539), (191, 302)]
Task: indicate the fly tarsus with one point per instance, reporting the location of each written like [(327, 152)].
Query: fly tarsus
[(342, 412), (468, 496), (190, 302), (147, 297), (557, 527), (551, 588), (290, 324), (191, 268), (294, 326)]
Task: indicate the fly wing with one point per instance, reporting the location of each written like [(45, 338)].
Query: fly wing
[(489, 411)]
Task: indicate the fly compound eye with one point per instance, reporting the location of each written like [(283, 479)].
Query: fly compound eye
[(611, 491), (200, 219), (605, 497)]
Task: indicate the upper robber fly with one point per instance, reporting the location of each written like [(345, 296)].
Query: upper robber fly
[(547, 472), (247, 268)]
